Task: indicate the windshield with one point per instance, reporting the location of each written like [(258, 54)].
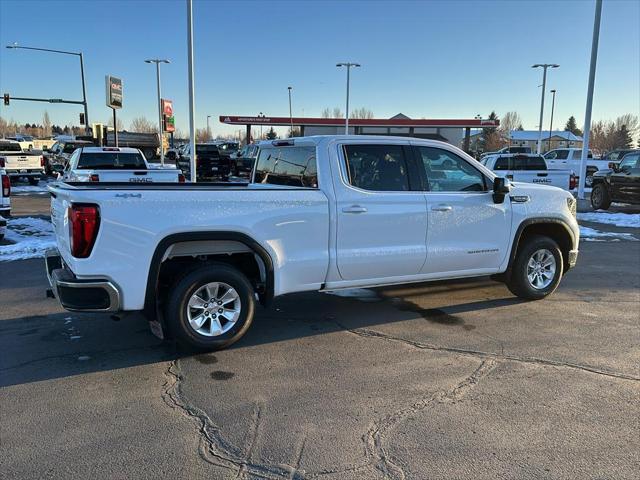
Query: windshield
[(111, 161)]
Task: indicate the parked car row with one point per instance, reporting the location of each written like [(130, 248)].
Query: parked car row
[(619, 183)]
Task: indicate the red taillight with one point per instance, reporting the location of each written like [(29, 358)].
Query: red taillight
[(41, 161), (94, 177), (6, 186), (573, 182), (84, 222), (181, 178)]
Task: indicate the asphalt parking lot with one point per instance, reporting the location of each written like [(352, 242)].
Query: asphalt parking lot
[(455, 380)]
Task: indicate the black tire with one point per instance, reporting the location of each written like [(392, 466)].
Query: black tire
[(600, 199), (34, 180), (186, 286), (149, 153), (519, 283)]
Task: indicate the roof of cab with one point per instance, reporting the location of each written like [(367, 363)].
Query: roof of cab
[(110, 149)]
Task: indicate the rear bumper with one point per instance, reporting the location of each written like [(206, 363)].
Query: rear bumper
[(26, 173), (79, 295)]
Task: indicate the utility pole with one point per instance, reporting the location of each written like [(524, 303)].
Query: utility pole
[(544, 87), (587, 116), (290, 111)]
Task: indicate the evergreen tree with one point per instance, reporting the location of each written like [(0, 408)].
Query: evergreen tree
[(572, 126), (623, 138), (271, 134), (490, 138)]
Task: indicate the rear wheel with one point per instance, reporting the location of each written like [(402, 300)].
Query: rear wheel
[(210, 307), (149, 153), (537, 269), (600, 199)]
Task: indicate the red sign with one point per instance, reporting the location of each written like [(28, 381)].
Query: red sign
[(167, 107)]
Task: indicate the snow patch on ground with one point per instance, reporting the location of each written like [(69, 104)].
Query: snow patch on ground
[(617, 219), (31, 237), (593, 235), (362, 294), (41, 188)]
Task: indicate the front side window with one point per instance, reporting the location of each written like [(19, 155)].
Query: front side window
[(293, 166), (630, 161), (378, 168), (446, 172)]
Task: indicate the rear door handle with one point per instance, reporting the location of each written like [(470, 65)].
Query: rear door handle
[(354, 209), (442, 208)]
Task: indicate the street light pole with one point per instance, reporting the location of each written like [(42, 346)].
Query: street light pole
[(84, 91), (208, 129), (158, 61), (261, 115), (348, 65), (553, 104), (290, 111), (586, 131), (544, 86), (192, 114)]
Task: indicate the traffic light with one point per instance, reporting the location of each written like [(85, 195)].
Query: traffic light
[(6, 99), (81, 118)]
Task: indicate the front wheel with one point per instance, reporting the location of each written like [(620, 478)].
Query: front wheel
[(537, 268), (210, 307), (600, 199)]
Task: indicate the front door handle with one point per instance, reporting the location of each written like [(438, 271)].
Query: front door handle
[(442, 208), (354, 209)]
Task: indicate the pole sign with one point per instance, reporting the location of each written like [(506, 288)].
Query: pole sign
[(167, 107), (114, 92), (169, 124), (167, 115)]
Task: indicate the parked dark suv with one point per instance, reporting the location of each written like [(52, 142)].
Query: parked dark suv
[(210, 164), (619, 183)]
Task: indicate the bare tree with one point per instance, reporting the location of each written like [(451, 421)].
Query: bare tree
[(326, 113), (510, 121), (362, 113), (46, 124), (630, 121), (142, 125), (337, 113), (202, 135), (120, 124)]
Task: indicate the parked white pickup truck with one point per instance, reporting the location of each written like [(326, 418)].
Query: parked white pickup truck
[(5, 192), (529, 168), (113, 164), (21, 164), (323, 213), (569, 158)]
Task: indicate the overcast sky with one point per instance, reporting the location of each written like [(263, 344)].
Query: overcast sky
[(452, 59)]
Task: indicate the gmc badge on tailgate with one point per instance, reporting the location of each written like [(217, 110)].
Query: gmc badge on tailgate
[(140, 180)]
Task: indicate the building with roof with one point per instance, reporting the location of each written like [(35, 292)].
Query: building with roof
[(454, 131), (529, 138)]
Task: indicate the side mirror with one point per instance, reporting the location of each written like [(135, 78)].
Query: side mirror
[(501, 187)]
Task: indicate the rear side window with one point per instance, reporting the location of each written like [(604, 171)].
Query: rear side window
[(292, 166), (379, 168), (502, 163), (111, 161), (529, 163)]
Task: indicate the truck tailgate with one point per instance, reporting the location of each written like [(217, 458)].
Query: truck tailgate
[(21, 161)]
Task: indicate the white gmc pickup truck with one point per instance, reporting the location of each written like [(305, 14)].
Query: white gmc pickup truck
[(115, 164), (322, 213)]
